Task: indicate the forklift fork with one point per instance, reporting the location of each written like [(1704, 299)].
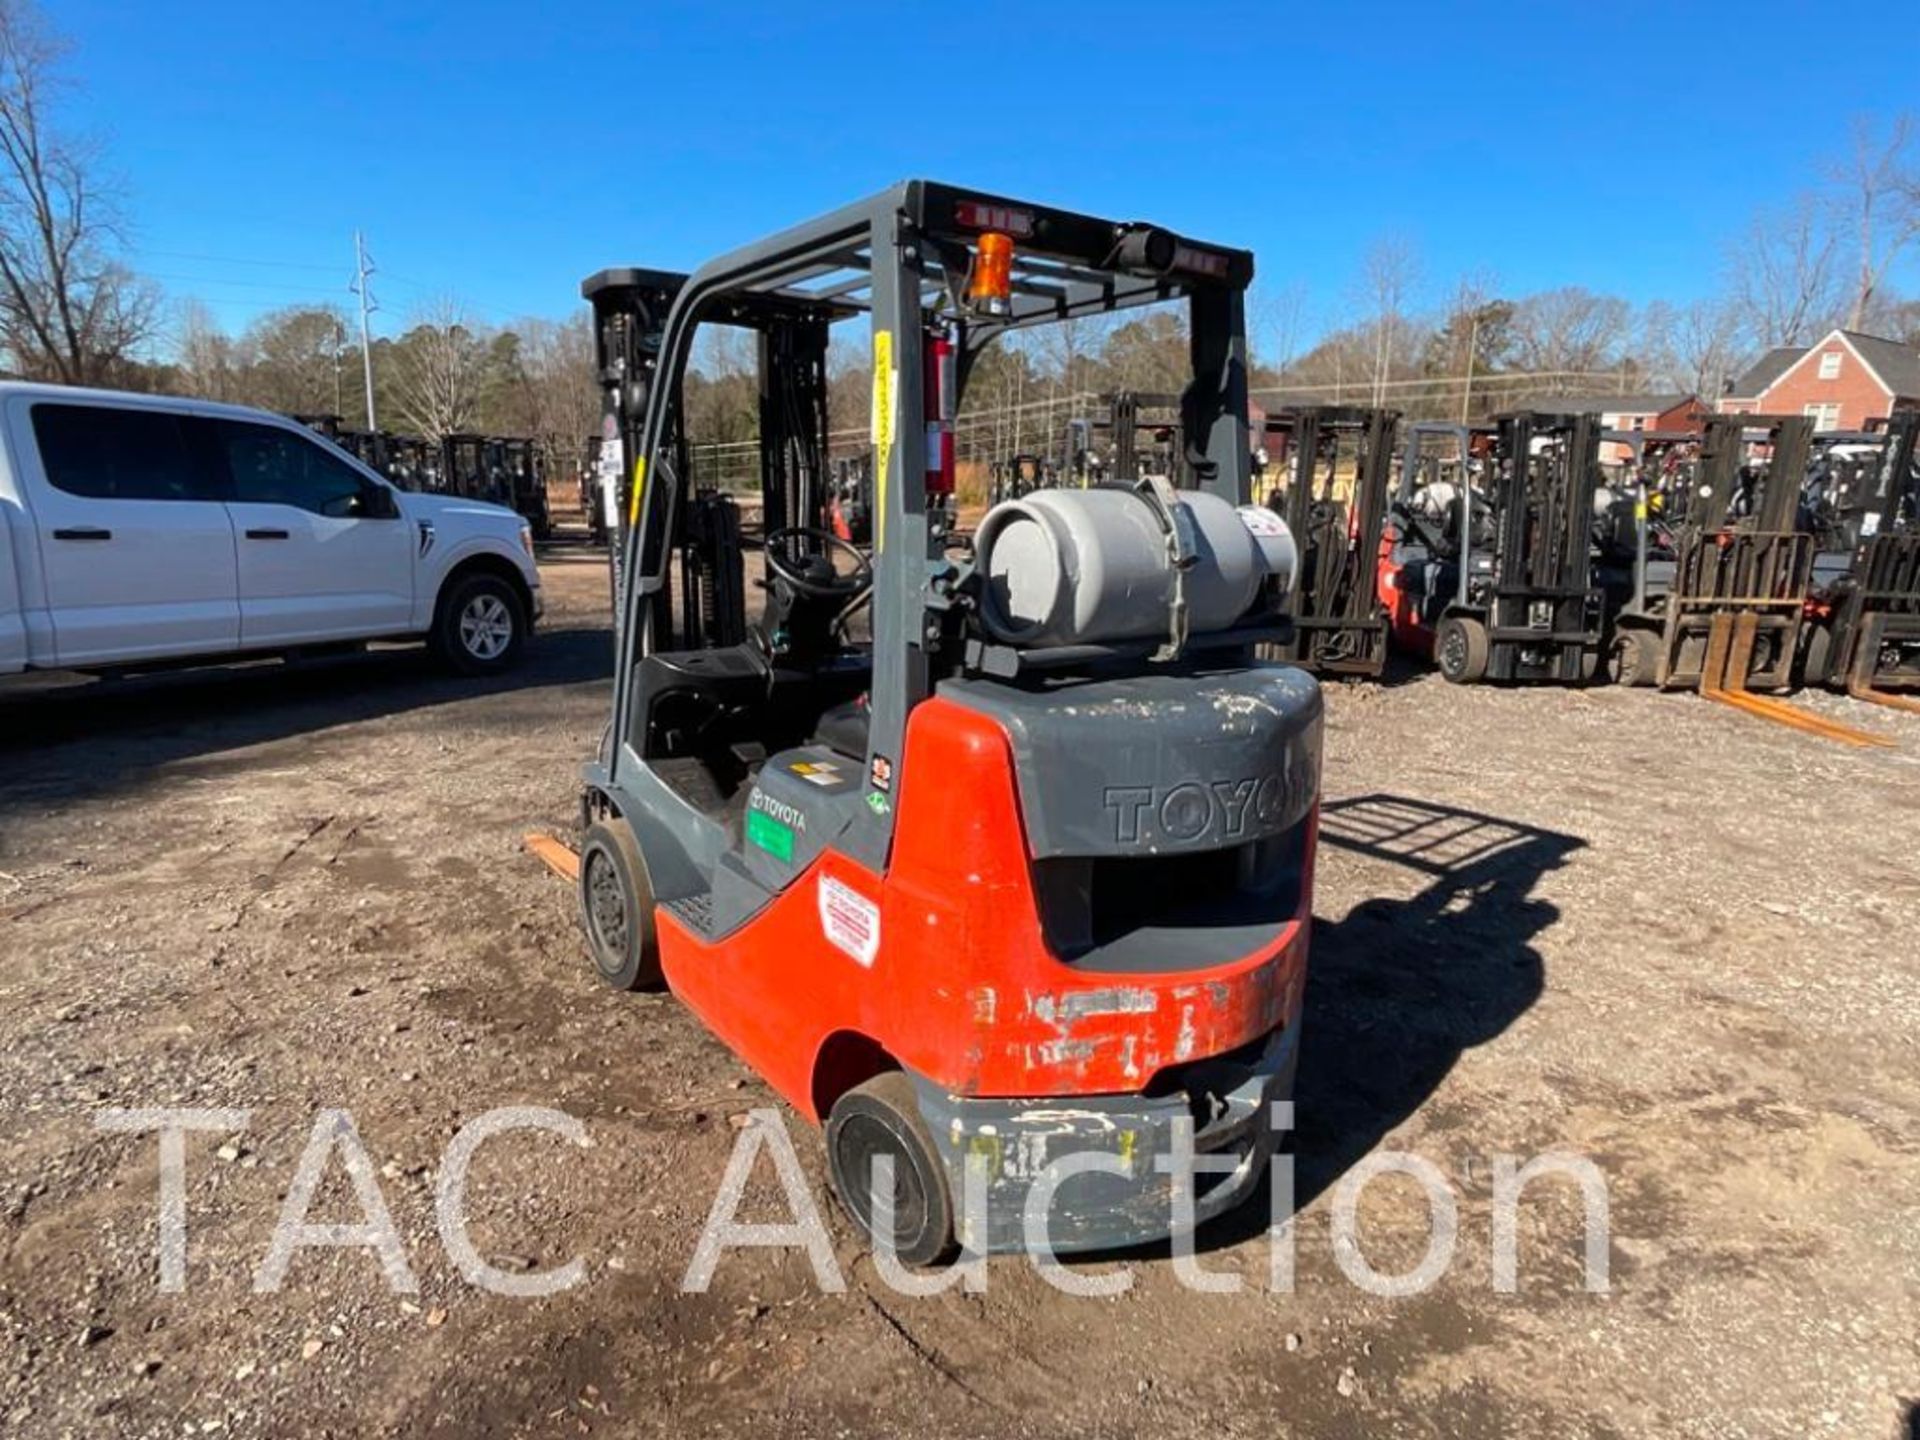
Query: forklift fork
[(1860, 674), (1723, 677)]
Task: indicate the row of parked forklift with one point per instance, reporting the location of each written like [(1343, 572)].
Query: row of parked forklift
[(1755, 556), (505, 470)]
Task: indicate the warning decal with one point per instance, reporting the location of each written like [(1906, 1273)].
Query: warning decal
[(886, 383), (850, 921)]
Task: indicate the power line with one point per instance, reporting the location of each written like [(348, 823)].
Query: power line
[(235, 260)]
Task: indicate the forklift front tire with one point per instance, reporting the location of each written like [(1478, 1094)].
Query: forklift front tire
[(616, 908), (1460, 649), (881, 1117), (1635, 658), (1817, 668)]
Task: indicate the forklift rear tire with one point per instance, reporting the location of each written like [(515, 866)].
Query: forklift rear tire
[(1635, 658), (1460, 649), (616, 908), (880, 1117)]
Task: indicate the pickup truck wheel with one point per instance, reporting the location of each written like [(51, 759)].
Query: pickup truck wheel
[(481, 625)]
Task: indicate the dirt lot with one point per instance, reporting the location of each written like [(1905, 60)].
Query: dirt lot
[(1642, 929)]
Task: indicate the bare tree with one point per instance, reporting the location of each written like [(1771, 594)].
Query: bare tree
[(1706, 342), (68, 310), (1277, 317), (1882, 207), (209, 361), (559, 385), (441, 362), (1388, 274), (1783, 274), (1568, 334)]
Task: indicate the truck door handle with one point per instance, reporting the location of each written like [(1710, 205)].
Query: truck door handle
[(266, 535), (83, 532)]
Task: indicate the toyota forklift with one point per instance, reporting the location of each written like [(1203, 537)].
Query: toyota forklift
[(1513, 533), (1018, 870), (1339, 460)]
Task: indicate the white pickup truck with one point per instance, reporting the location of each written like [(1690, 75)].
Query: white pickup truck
[(140, 530)]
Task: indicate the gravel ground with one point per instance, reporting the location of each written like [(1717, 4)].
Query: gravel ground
[(1644, 930)]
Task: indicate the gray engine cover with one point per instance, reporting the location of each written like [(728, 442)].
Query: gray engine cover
[(1159, 763)]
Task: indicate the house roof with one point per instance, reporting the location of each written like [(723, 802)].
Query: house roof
[(1618, 404), (1897, 365), (1767, 369)]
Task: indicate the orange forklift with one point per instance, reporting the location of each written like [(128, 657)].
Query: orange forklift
[(1025, 878)]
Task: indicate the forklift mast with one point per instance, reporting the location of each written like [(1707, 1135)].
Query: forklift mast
[(1542, 609), (1550, 471), (1741, 561), (1871, 641), (1131, 413), (629, 312), (1335, 505)]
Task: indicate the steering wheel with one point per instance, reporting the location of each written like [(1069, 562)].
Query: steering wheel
[(818, 579)]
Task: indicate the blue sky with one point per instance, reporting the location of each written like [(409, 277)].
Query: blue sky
[(501, 151)]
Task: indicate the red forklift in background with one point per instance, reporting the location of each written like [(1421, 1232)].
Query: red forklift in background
[(1438, 534)]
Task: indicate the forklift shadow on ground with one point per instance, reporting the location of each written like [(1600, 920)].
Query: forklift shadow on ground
[(1399, 989)]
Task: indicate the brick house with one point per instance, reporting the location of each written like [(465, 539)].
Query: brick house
[(1848, 381), (1666, 413)]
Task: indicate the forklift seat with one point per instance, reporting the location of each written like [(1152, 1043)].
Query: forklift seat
[(844, 728), (726, 681)]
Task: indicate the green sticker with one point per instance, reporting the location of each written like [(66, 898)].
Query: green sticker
[(770, 835)]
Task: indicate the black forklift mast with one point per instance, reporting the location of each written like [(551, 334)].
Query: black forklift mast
[(463, 465), (1866, 636), (704, 535), (1341, 462), (1131, 413), (1729, 615), (630, 308), (1017, 476), (1537, 614)]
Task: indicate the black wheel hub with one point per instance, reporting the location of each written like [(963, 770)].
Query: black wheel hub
[(1453, 650), (860, 1139)]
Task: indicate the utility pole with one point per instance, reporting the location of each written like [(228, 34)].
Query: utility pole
[(362, 269), (1473, 345)]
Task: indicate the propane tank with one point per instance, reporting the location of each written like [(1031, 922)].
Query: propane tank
[(1088, 567)]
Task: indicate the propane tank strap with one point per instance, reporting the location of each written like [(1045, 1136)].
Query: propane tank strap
[(1183, 549)]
